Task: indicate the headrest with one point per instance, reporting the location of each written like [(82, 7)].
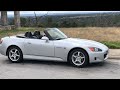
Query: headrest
[(37, 33), (28, 34)]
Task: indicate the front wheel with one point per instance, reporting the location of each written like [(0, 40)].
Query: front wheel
[(15, 54), (78, 58)]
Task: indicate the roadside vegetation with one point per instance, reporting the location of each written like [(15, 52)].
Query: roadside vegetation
[(76, 20), (109, 36), (112, 45)]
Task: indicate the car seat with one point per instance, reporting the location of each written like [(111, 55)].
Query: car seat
[(37, 34), (28, 35)]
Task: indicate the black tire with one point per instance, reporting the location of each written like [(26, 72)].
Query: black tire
[(86, 61), (20, 52)]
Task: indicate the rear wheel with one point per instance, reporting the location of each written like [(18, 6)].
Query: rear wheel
[(15, 54), (78, 58)]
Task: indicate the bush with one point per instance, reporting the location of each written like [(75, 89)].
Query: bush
[(112, 45)]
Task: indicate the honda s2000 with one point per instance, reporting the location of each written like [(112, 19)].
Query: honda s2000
[(52, 44)]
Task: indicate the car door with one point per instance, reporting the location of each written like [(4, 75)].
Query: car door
[(38, 47)]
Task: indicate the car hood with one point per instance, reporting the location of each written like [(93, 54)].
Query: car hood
[(85, 42)]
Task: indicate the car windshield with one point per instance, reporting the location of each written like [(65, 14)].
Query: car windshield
[(56, 34)]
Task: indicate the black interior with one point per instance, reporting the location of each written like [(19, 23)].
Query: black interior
[(37, 34), (28, 35)]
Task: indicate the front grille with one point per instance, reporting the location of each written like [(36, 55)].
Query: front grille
[(105, 55)]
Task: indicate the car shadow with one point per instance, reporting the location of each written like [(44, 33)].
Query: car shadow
[(55, 63), (44, 62), (100, 64)]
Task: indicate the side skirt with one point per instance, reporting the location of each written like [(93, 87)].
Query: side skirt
[(42, 58)]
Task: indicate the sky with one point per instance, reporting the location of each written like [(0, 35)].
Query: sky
[(10, 13), (58, 12)]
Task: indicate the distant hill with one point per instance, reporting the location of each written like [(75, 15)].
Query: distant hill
[(71, 20)]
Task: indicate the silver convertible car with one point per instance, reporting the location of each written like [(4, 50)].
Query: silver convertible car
[(52, 44)]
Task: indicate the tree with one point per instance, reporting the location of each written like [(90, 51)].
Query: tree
[(17, 19), (23, 21), (65, 24), (49, 22), (74, 24), (38, 19), (4, 18)]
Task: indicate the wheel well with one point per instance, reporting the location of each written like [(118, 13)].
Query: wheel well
[(77, 48), (10, 47)]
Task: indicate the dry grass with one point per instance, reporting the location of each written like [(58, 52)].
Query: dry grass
[(111, 34)]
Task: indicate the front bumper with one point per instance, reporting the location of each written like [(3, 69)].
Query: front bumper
[(98, 56)]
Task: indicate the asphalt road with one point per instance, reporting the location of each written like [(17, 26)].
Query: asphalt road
[(32, 69)]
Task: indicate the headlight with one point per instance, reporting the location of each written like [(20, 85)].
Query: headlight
[(94, 49)]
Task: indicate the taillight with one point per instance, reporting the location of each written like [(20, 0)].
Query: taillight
[(1, 41)]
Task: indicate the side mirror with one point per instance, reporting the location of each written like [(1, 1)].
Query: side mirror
[(45, 38)]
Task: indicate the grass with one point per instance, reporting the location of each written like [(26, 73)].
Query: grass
[(112, 45), (109, 36)]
